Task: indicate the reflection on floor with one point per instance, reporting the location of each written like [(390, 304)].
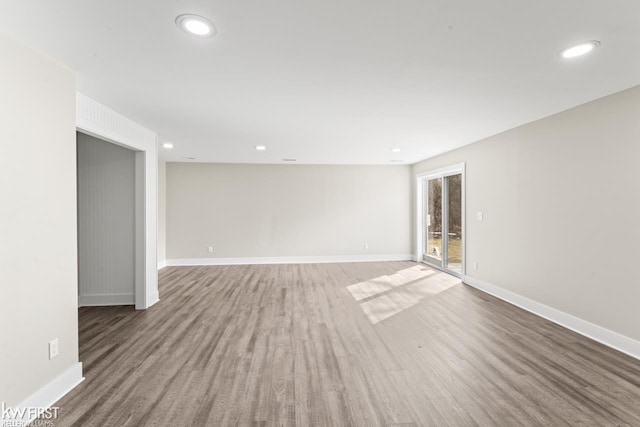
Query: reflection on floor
[(385, 296)]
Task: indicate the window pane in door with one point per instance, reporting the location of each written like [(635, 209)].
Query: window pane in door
[(454, 223), (434, 218)]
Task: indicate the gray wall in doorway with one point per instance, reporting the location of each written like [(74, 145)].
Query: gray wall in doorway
[(106, 222)]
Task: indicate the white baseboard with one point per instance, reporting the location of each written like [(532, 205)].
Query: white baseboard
[(106, 299), (46, 397), (288, 260), (162, 264), (590, 330)]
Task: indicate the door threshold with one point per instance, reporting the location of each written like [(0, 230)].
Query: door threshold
[(444, 270)]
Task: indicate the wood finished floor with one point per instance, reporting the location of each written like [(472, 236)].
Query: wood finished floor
[(370, 344)]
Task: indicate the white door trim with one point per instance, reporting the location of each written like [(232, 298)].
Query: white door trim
[(421, 178), (96, 120)]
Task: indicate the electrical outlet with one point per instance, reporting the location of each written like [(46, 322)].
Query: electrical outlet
[(53, 348), (210, 249), (475, 265), (366, 246), (479, 216)]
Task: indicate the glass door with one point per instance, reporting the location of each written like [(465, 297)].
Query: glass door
[(453, 214), (434, 221), (443, 221)]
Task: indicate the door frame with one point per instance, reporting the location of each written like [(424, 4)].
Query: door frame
[(421, 197), (94, 119)]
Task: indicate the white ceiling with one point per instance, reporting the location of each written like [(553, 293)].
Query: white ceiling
[(334, 81)]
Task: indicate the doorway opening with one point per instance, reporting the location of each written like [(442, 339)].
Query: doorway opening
[(109, 223), (96, 120), (440, 219)]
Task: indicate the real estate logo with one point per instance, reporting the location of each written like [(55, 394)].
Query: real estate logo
[(35, 416)]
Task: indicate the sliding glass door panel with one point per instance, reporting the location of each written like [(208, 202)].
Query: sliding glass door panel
[(453, 258), (434, 219)]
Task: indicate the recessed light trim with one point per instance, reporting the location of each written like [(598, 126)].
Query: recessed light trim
[(289, 160), (260, 147), (579, 49), (395, 150), (196, 25), (397, 161), (167, 145)]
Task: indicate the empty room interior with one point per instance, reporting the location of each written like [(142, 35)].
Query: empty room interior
[(359, 213)]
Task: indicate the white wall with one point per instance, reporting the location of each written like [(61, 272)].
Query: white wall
[(287, 210), (38, 281), (561, 209), (106, 222), (162, 214)]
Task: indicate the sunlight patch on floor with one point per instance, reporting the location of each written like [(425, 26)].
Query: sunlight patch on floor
[(386, 296)]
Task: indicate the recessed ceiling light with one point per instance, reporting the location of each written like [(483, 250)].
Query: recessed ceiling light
[(196, 25), (288, 160), (395, 150), (260, 147), (397, 161), (167, 145), (580, 49), (189, 158)]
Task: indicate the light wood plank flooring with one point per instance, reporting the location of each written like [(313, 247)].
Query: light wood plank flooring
[(362, 344)]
